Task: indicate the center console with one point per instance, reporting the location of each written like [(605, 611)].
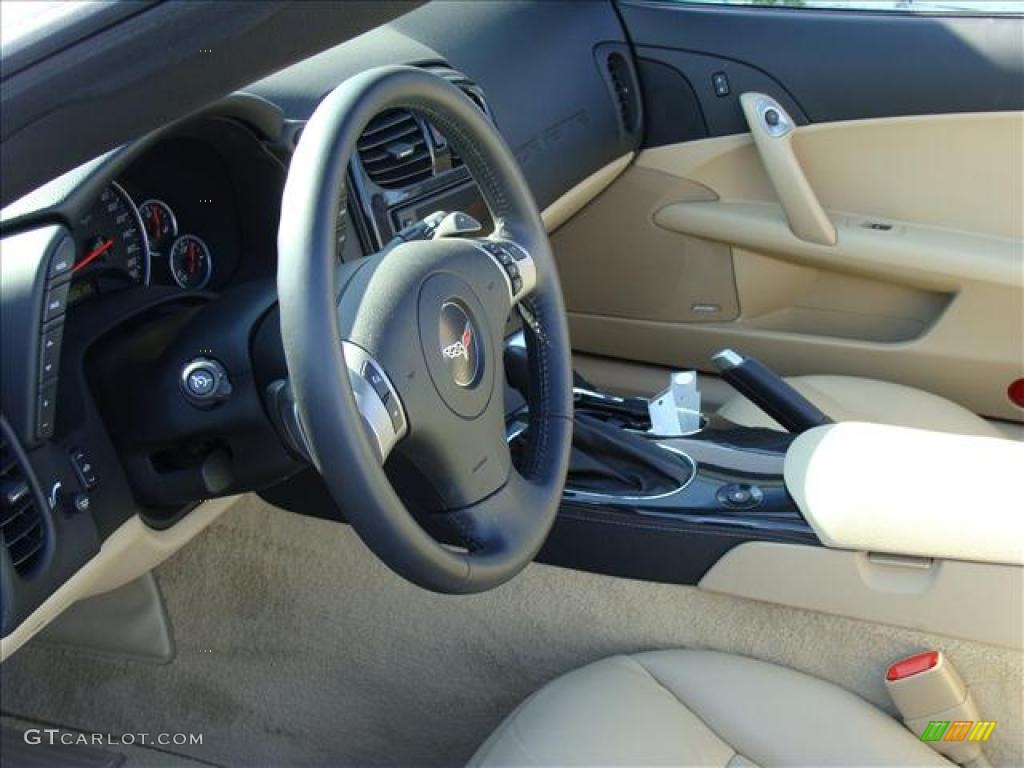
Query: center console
[(665, 506)]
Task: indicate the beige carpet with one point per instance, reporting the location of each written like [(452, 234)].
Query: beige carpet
[(318, 655)]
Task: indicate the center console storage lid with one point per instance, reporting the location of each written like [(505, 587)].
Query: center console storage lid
[(879, 488)]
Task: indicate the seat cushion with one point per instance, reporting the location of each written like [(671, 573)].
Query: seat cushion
[(698, 708), (847, 398)]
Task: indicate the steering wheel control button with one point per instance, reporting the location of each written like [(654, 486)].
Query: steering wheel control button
[(395, 413), (519, 254), (516, 263), (375, 377), (740, 495), (459, 344), (204, 382), (376, 398)]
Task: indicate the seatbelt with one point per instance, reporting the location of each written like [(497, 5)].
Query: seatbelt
[(938, 708)]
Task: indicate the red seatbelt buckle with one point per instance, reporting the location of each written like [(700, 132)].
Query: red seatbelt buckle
[(913, 665), (936, 705)]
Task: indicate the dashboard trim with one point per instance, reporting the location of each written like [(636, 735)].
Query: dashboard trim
[(573, 201), (129, 552)]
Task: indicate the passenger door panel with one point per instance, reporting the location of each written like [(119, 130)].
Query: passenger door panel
[(689, 250)]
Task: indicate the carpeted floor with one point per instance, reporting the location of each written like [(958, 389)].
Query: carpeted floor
[(295, 646)]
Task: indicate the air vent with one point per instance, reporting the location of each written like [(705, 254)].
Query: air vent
[(22, 525), (471, 89), (624, 88), (393, 150)]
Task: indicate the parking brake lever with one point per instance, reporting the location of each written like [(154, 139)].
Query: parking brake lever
[(768, 391)]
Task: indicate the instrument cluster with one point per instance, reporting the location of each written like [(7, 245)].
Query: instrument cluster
[(121, 244)]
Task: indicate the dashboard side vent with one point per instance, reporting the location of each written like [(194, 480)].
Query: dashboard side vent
[(624, 87), (393, 150), (22, 525)]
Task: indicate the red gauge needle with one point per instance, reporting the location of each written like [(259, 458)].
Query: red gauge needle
[(94, 254)]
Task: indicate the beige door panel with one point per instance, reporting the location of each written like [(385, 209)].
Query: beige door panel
[(569, 204), (961, 171), (781, 296), (931, 299), (915, 254), (614, 261)]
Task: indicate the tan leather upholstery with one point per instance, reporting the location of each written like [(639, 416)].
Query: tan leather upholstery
[(698, 708), (848, 398)]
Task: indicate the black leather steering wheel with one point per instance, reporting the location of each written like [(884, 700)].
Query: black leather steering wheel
[(402, 352)]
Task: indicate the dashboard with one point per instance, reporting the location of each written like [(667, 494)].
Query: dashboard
[(162, 252)]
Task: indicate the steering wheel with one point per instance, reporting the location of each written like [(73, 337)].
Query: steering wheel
[(402, 352)]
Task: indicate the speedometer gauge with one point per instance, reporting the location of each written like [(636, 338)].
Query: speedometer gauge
[(191, 262), (114, 241), (161, 226)]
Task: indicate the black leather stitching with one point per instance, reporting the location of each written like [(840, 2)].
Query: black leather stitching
[(538, 446), (482, 171)]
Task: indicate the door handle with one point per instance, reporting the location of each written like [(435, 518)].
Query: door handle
[(772, 129)]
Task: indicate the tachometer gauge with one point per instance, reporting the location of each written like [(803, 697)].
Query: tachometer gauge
[(161, 226), (114, 239), (191, 263)]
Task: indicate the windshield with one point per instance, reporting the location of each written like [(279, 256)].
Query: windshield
[(22, 18)]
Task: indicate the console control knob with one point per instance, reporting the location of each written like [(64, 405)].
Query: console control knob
[(80, 503), (740, 495), (204, 382)]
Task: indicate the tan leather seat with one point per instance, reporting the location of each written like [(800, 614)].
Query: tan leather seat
[(698, 708), (848, 398)]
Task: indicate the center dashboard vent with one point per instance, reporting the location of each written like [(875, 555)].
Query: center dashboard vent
[(393, 150), (22, 525), (398, 149)]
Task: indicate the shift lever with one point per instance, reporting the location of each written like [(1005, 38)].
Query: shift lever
[(767, 390)]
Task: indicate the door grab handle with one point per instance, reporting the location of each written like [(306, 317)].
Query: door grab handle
[(772, 130)]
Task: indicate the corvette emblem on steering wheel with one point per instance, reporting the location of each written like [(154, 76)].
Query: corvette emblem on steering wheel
[(459, 344)]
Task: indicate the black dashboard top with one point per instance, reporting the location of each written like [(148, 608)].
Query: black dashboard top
[(552, 104)]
